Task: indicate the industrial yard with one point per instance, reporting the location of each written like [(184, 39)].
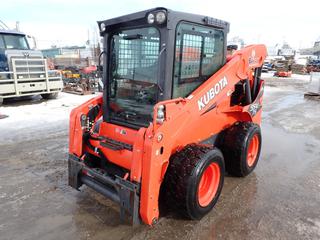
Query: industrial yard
[(279, 200)]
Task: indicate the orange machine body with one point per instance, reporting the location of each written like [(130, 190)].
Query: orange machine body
[(202, 116)]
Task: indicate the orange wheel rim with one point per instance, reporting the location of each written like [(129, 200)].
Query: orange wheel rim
[(208, 185), (253, 150)]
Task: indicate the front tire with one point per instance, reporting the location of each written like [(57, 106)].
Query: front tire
[(50, 95), (194, 180), (241, 148)]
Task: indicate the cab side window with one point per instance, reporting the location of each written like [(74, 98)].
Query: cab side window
[(198, 55)]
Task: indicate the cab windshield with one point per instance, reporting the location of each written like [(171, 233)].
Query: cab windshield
[(13, 41), (134, 69)]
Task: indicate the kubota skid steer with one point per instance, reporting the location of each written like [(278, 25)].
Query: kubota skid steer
[(176, 112)]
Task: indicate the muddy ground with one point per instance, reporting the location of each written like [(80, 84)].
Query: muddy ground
[(279, 200)]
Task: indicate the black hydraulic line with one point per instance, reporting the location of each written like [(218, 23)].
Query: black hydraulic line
[(109, 166), (105, 163), (248, 92), (259, 77), (256, 82), (105, 190), (255, 79), (86, 136)]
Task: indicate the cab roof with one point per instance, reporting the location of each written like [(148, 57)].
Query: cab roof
[(11, 32), (173, 17)]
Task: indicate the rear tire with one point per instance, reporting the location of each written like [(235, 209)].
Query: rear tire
[(194, 180), (50, 95), (241, 148)]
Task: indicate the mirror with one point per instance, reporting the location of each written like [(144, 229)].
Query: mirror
[(32, 42)]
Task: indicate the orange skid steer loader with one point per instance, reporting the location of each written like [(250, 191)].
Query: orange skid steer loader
[(175, 114)]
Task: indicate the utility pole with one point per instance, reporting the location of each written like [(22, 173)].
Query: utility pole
[(18, 26)]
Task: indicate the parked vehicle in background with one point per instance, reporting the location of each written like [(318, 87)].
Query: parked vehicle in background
[(267, 66), (313, 66), (24, 71)]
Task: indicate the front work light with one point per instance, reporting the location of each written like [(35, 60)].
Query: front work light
[(160, 17), (160, 114), (150, 18), (102, 27)]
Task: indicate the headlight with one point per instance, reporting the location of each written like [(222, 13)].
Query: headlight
[(160, 114), (102, 27), (160, 17), (150, 18)]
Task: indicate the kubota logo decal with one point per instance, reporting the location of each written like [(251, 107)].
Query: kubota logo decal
[(215, 90)]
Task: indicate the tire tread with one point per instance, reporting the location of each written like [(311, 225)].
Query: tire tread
[(182, 164), (234, 148)]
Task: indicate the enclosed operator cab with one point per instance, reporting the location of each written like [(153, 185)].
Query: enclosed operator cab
[(169, 91), (24, 71), (157, 55)]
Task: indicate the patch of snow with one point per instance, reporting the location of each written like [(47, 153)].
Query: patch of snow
[(39, 115), (301, 77), (267, 74)]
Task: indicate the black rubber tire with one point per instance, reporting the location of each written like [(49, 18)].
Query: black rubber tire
[(235, 148), (183, 176), (50, 95)]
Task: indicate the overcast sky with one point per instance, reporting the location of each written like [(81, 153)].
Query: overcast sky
[(66, 22)]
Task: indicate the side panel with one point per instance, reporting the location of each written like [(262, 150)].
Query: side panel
[(76, 128), (204, 113), (125, 135), (137, 156), (7, 88)]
